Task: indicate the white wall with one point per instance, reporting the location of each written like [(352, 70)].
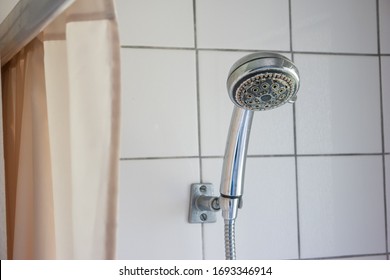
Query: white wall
[(315, 183), (5, 7)]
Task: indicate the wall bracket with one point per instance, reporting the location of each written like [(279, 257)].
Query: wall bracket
[(203, 204)]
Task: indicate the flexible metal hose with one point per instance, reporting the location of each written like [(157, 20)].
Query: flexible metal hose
[(230, 239)]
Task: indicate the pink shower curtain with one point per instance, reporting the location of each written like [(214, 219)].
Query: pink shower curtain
[(61, 105)]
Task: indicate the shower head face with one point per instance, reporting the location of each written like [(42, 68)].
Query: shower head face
[(263, 81)]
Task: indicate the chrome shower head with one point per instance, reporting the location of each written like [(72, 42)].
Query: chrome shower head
[(263, 81), (257, 82)]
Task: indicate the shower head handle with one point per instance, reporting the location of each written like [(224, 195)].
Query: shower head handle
[(233, 170)]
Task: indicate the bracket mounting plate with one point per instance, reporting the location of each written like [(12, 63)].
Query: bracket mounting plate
[(197, 215)]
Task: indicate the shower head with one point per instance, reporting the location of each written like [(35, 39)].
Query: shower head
[(262, 81), (257, 82)]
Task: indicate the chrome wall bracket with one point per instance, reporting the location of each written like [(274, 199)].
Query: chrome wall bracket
[(203, 204)]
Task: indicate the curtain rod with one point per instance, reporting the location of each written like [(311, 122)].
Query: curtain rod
[(25, 22)]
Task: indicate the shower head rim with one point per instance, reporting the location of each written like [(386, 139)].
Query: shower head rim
[(255, 56), (256, 64)]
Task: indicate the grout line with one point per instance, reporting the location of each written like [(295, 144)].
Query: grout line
[(336, 53), (290, 27), (250, 50), (202, 228), (241, 50), (158, 158), (157, 47), (381, 108), (317, 155), (347, 256), (197, 91), (295, 143), (296, 177), (203, 242), (256, 156), (341, 154), (196, 48), (267, 156)]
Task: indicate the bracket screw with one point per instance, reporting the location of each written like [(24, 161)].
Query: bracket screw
[(215, 204), (203, 188), (203, 217)]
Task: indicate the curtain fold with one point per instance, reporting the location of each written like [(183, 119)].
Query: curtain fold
[(61, 97)]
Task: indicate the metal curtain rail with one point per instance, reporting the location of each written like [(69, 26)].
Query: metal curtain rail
[(25, 22)]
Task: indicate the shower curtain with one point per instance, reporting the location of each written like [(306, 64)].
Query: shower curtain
[(60, 97)]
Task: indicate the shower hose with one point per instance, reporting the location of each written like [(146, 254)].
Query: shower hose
[(230, 240)]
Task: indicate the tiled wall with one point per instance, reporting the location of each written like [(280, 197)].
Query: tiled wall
[(317, 181)]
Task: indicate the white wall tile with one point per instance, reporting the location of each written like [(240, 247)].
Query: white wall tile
[(159, 111), (244, 24), (156, 23), (272, 131), (266, 226), (153, 210), (213, 233), (334, 26), (338, 109), (385, 63), (384, 21), (341, 206)]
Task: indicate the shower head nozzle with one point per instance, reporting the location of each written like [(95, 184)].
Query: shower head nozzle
[(263, 81)]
